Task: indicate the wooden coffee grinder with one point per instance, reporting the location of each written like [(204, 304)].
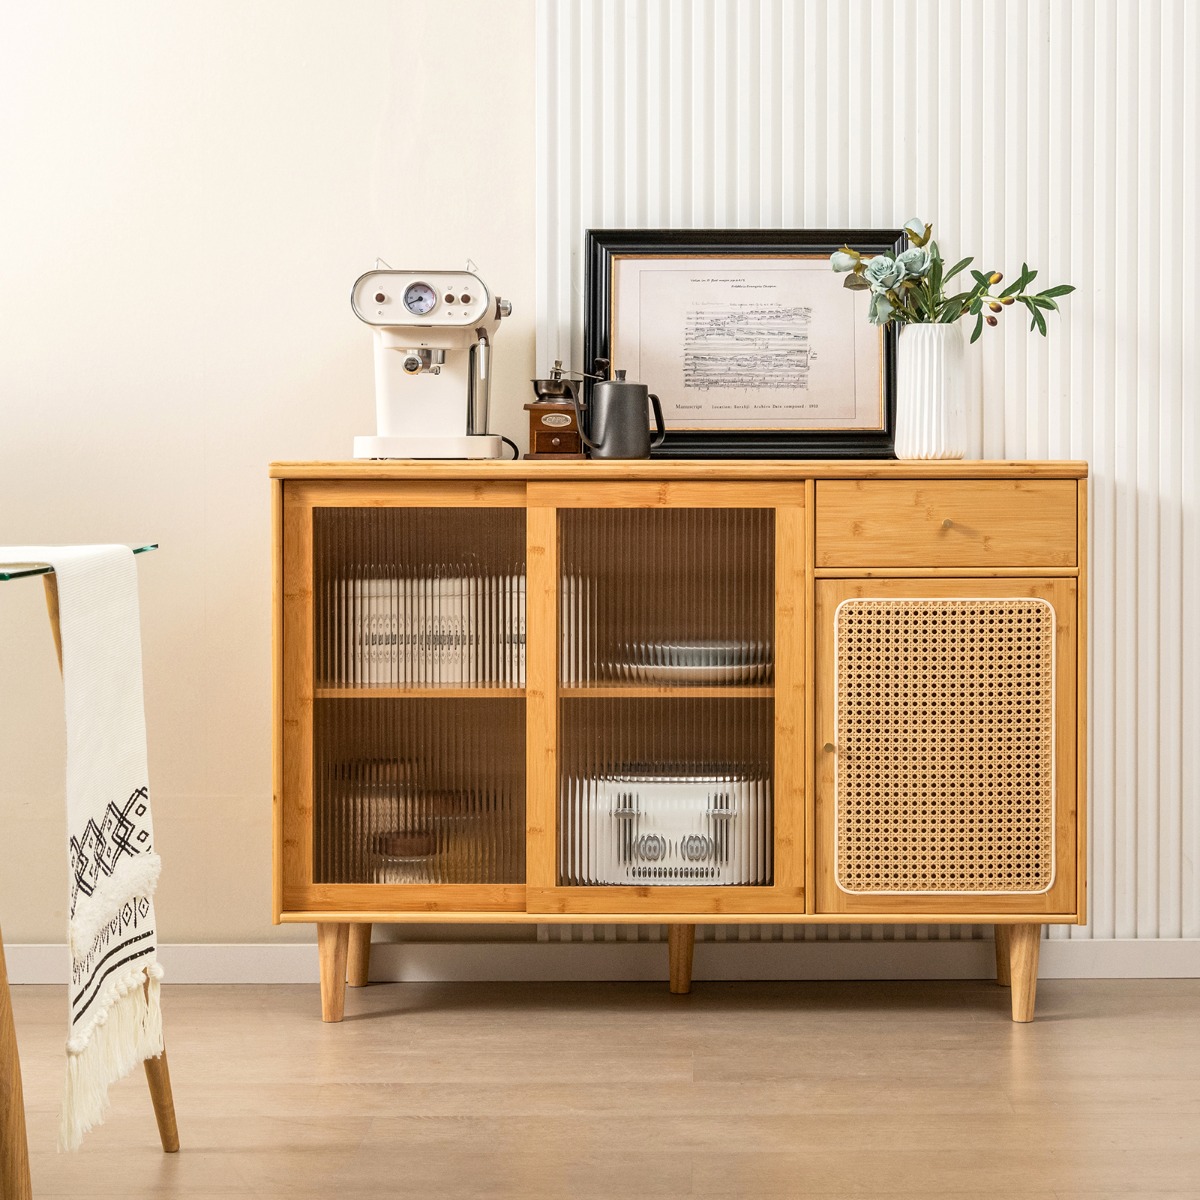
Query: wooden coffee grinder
[(553, 428)]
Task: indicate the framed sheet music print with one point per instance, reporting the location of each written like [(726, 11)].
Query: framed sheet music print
[(748, 337)]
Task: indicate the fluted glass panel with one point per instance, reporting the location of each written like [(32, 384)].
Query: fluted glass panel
[(665, 791), (419, 791), (676, 596), (419, 597)]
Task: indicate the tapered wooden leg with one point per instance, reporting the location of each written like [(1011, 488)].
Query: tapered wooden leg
[(159, 1079), (358, 968), (1003, 950), (333, 944), (1025, 943), (14, 1148), (681, 942)]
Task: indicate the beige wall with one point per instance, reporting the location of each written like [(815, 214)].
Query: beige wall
[(188, 191)]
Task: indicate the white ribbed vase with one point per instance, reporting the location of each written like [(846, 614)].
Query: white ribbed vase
[(930, 404)]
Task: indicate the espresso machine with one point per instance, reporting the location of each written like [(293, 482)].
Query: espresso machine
[(433, 363)]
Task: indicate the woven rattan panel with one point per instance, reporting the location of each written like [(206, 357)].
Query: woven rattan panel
[(944, 775)]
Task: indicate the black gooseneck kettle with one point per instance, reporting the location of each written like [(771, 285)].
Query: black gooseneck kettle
[(619, 425)]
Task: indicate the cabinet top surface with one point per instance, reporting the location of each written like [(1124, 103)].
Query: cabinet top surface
[(743, 469)]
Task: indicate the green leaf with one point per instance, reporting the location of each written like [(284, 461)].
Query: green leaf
[(976, 307), (958, 266), (1041, 322), (1014, 287), (1062, 289), (856, 283), (951, 311), (1042, 302), (978, 329), (980, 278)]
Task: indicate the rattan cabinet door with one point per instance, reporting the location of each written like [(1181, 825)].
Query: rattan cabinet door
[(946, 744)]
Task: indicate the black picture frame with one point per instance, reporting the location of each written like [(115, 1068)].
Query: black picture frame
[(602, 246)]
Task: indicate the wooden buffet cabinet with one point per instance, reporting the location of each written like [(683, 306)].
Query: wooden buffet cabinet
[(680, 693)]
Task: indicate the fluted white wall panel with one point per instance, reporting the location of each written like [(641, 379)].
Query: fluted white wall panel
[(1065, 132)]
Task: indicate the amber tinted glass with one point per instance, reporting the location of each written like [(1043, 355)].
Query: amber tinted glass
[(419, 597), (419, 791), (667, 596), (655, 788)]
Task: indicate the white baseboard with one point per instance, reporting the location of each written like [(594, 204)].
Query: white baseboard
[(545, 961)]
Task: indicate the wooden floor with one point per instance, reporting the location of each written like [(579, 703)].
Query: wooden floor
[(621, 1090)]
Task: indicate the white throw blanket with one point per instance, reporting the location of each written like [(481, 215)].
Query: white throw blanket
[(115, 1021)]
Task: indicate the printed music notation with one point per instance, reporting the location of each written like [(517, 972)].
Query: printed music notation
[(748, 347)]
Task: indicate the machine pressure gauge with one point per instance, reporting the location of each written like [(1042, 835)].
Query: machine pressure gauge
[(419, 298)]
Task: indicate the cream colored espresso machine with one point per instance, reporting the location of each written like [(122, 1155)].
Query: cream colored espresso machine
[(433, 363)]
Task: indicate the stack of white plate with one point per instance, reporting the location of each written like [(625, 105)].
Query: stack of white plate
[(694, 662)]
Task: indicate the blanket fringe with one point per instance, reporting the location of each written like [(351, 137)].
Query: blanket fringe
[(127, 1033)]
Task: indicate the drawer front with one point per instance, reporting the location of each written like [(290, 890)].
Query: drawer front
[(946, 523), (557, 441)]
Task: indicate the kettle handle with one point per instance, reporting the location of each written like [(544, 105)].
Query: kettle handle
[(658, 422), (587, 441)]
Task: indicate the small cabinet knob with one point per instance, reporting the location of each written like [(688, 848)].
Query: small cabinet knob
[(947, 523), (828, 747)]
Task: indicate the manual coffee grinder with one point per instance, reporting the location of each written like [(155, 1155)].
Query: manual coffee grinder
[(553, 425)]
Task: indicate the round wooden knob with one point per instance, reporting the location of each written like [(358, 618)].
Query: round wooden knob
[(828, 747), (947, 523)]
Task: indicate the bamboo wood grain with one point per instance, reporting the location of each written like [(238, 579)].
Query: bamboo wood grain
[(681, 945), (14, 1144), (429, 471), (669, 494), (415, 897), (295, 865), (542, 487), (364, 492), (634, 691), (790, 757), (1061, 897), (648, 900), (944, 523), (997, 572), (810, 710), (1025, 943), (358, 955), (1083, 622), (333, 943), (418, 693), (276, 699), (392, 916), (541, 695), (1003, 955)]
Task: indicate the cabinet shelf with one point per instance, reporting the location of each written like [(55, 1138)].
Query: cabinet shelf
[(627, 691), (419, 693)]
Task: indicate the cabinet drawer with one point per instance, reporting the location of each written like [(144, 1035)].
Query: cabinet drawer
[(946, 523)]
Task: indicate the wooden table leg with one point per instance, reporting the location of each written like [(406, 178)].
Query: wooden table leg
[(159, 1079), (14, 1147), (1003, 952), (1025, 945), (333, 944), (358, 969), (681, 942)]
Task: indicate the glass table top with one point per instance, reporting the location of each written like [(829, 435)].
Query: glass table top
[(23, 570)]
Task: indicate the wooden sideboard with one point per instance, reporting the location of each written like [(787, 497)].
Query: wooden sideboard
[(679, 693)]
